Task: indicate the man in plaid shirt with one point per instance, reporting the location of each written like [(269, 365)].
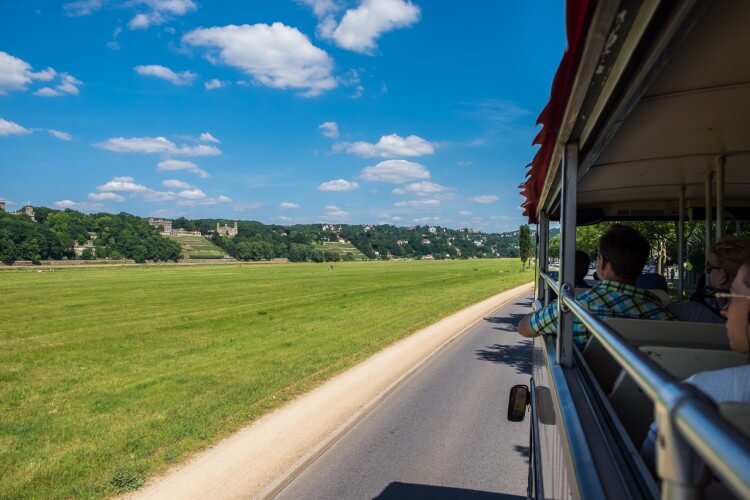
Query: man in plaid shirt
[(623, 252)]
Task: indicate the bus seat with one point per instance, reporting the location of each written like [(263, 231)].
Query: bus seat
[(738, 414), (652, 282), (631, 404), (653, 332), (663, 296), (633, 407), (682, 362)]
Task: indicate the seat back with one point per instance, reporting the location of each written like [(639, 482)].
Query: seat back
[(652, 332), (635, 409), (682, 362)]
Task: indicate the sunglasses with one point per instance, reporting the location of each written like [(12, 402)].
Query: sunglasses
[(724, 299)]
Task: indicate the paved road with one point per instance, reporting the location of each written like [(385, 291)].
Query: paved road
[(441, 434)]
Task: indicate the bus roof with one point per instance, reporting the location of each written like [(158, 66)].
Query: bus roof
[(655, 95)]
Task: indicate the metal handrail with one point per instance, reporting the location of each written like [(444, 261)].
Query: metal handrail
[(551, 282), (726, 452)]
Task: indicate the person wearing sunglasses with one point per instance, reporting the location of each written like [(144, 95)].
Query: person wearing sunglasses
[(724, 260), (728, 385)]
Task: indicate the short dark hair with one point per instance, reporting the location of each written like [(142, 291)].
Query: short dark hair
[(625, 249), (582, 265)]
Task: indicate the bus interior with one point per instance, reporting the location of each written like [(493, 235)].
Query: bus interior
[(648, 120)]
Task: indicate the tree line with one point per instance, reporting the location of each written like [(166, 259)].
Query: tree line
[(123, 236)]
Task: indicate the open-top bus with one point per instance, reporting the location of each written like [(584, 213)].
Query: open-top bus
[(649, 119)]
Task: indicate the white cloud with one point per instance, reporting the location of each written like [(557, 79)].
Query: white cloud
[(159, 71), (277, 56), (388, 146), (214, 84), (123, 184), (245, 206), (332, 213), (47, 92), (425, 220), (360, 28), (81, 7), (12, 128), (68, 204), (152, 195), (63, 136), (417, 203), (464, 213), (16, 74), (192, 194), (223, 199), (206, 137), (288, 206), (329, 129), (182, 165), (424, 188), (106, 196), (395, 172), (156, 145), (338, 185), (68, 85), (175, 184), (485, 198), (158, 12)]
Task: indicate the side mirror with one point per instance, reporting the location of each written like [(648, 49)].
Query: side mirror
[(519, 399)]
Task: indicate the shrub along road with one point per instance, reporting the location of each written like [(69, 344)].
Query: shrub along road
[(109, 375)]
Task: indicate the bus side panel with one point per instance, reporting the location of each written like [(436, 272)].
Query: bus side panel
[(554, 473)]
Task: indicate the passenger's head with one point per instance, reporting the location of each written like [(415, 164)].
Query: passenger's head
[(738, 311), (724, 260), (622, 254), (582, 265)]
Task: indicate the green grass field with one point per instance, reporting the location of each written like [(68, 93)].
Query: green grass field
[(341, 248), (198, 247), (108, 375)]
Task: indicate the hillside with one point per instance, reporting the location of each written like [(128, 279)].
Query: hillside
[(68, 234), (198, 247)]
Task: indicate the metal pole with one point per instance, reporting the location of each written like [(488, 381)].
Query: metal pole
[(721, 162), (566, 278), (681, 245), (707, 235), (543, 259)]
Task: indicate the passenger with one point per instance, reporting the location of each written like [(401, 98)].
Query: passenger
[(622, 254), (729, 385), (724, 260), (582, 269)]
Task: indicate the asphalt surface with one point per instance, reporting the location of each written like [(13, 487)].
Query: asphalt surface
[(443, 433)]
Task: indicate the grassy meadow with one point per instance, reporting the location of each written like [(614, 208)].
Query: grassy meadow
[(108, 375)]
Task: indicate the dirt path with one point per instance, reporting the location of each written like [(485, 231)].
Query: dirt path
[(260, 459)]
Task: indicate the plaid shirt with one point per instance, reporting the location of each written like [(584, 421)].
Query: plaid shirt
[(608, 299)]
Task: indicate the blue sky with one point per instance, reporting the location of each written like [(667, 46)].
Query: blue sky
[(282, 111)]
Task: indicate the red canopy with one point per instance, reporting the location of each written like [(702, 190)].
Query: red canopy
[(577, 17)]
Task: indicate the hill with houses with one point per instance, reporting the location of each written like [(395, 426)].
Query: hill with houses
[(40, 233)]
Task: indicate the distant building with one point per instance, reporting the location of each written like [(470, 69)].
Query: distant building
[(331, 227), (29, 211), (165, 224), (182, 232), (79, 249), (432, 230), (425, 241), (226, 230), (2, 206)]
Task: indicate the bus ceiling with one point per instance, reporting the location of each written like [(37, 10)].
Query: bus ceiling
[(654, 96)]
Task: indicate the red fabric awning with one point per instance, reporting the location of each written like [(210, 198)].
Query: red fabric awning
[(577, 18)]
